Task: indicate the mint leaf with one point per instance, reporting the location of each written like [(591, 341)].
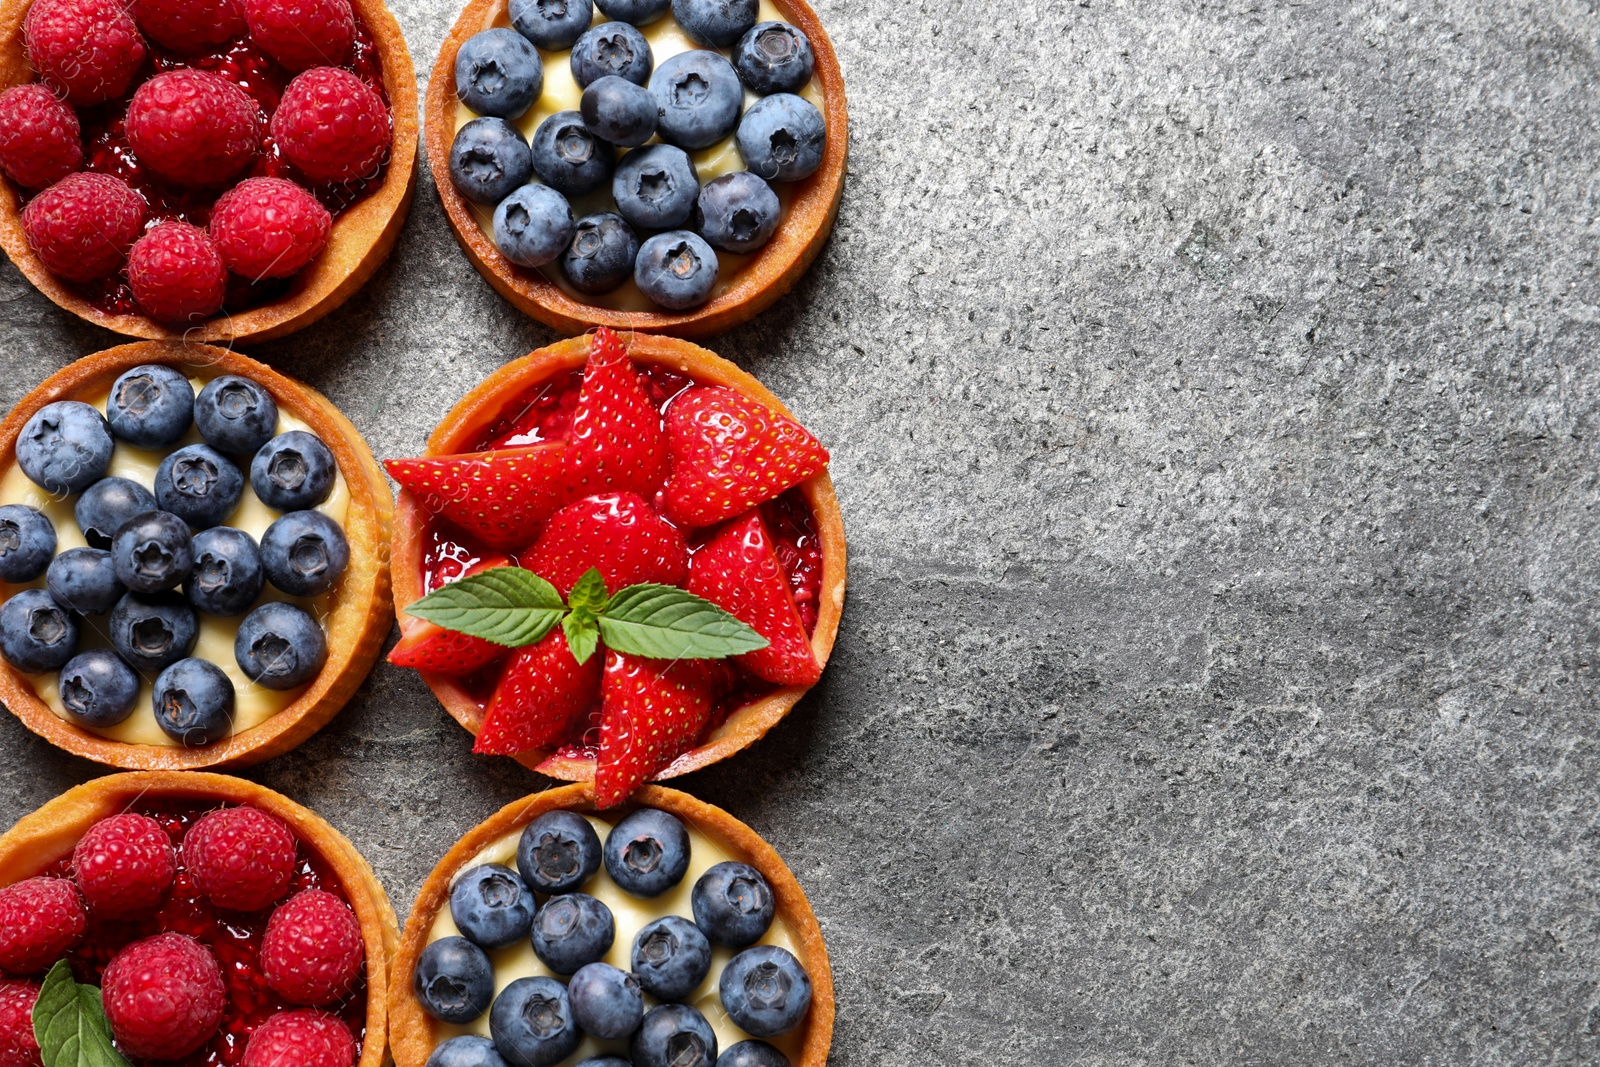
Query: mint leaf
[(663, 622), (583, 634), (587, 600), (589, 596), (69, 1022), (507, 605)]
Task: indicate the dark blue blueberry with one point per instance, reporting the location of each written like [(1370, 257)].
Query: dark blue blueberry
[(655, 187), (738, 212), (635, 12), (293, 471), (492, 905), (677, 270), (106, 505), (199, 485), (568, 157), (612, 48), (673, 1035), (454, 980), (98, 689), (774, 57), (36, 633), (572, 930), (733, 904), (619, 111), (65, 448), (698, 96), (752, 1054), (552, 24), (558, 852), (150, 406), (601, 256), (607, 1003), (672, 957), (781, 138), (605, 1061), (716, 23), (468, 1051), (489, 159), (280, 646), (532, 1023), (305, 553), (152, 632), (194, 702), (647, 852), (153, 552), (235, 415), (533, 225), (27, 541), (765, 991), (85, 580), (227, 575), (499, 73)]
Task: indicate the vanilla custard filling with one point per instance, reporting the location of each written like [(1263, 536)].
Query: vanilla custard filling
[(561, 93), (631, 914), (253, 704)]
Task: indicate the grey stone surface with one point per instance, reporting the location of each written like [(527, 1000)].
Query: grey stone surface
[(1210, 391)]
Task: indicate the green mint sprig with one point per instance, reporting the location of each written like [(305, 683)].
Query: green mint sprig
[(69, 1022)]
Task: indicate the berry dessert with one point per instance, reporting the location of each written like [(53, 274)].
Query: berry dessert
[(688, 155), (191, 559), (618, 563), (668, 935), (191, 918), (189, 169)]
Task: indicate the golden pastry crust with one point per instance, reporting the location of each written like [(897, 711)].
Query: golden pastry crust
[(411, 1030), (41, 839), (483, 406), (358, 624), (772, 273), (361, 238)]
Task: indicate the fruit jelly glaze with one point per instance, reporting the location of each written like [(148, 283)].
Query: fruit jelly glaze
[(234, 937)]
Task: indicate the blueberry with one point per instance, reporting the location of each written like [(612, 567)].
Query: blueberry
[(612, 48), (551, 24), (227, 575), (699, 96), (533, 225), (605, 1061), (716, 23), (568, 157), (293, 471), (738, 212), (607, 1003), (655, 187), (635, 12), (488, 159), (36, 633), (305, 553), (601, 257), (194, 702), (153, 552), (752, 1054), (673, 1035), (492, 905), (781, 138), (677, 270), (647, 852), (65, 448), (765, 991), (499, 73), (733, 904), (106, 505), (619, 111), (468, 1051), (150, 406), (572, 930), (280, 646), (27, 541), (454, 980), (235, 415), (98, 689), (152, 632), (672, 957), (532, 1023), (84, 580), (199, 485), (558, 852), (774, 57)]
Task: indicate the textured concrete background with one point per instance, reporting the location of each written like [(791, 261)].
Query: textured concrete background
[(1210, 395)]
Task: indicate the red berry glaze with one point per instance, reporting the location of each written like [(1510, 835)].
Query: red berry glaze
[(40, 919), (301, 34), (268, 228), (619, 534), (124, 866), (82, 226), (39, 136), (188, 26), (541, 696), (300, 1039), (177, 274), (312, 951), (332, 126), (18, 1048), (193, 128), (88, 49), (241, 859), (164, 997)]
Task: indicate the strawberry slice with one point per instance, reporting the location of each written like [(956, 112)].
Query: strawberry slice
[(738, 571), (541, 696), (424, 646), (730, 453), (502, 498), (651, 712), (618, 533), (616, 444)]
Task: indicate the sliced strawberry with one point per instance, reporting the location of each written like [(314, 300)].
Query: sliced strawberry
[(616, 444), (426, 647), (542, 695), (501, 497), (651, 712), (618, 533), (738, 571), (730, 453)]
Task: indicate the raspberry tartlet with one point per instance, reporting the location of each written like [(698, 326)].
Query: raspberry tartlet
[(221, 922), (667, 932), (185, 169), (600, 489), (192, 559)]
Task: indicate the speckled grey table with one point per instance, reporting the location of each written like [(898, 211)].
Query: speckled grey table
[(1211, 397)]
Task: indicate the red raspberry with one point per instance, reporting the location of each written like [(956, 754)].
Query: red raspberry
[(124, 865), (241, 858), (17, 1045), (303, 1038), (312, 950), (193, 128), (163, 997), (302, 34), (40, 919), (269, 228), (332, 126), (176, 274), (189, 25), (38, 136), (89, 49), (83, 225)]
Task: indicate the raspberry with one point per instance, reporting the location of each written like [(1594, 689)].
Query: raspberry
[(268, 228), (89, 49), (332, 126), (189, 25), (17, 1045), (303, 1038), (241, 858), (176, 274), (83, 225), (38, 136), (40, 919), (193, 128), (302, 34), (312, 950), (163, 997), (124, 865)]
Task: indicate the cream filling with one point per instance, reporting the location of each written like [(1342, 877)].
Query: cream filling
[(253, 704), (561, 93), (631, 914)]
